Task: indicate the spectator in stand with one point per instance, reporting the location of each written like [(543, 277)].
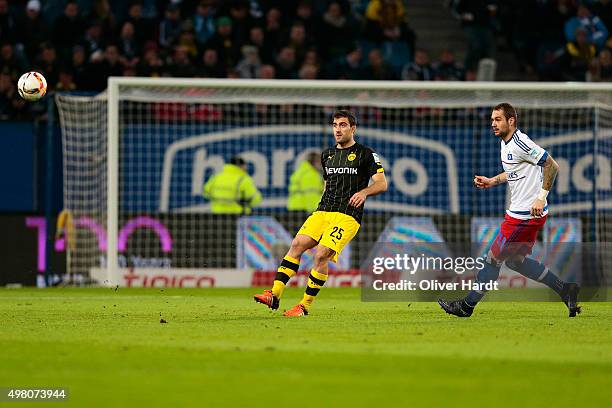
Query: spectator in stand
[(151, 64), (12, 107), (79, 67), (186, 8), (308, 71), (550, 60), (8, 24), (603, 9), (187, 39), (12, 64), (204, 21), (211, 68), (102, 12), (48, 64), (241, 19), (143, 28), (104, 66), (297, 40), (93, 41), (476, 18), (517, 20), (273, 28), (286, 64), (286, 8), (347, 66), (304, 14), (249, 66), (128, 46), (266, 72), (551, 17), (579, 56), (180, 66), (66, 81), (228, 51), (170, 26), (257, 39), (69, 27), (420, 69), (255, 10), (596, 31), (312, 58), (34, 30), (603, 66), (336, 33), (385, 22), (359, 8), (447, 69), (378, 69)]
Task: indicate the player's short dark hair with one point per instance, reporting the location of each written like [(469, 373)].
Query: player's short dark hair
[(509, 111), (345, 113)]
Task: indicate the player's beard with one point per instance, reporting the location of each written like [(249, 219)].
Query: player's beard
[(503, 134), (344, 140)]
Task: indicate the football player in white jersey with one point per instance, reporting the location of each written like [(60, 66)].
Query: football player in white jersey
[(530, 172)]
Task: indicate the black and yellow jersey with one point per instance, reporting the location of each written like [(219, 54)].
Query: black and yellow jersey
[(347, 171)]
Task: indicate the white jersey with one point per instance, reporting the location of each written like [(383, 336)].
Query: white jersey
[(522, 160)]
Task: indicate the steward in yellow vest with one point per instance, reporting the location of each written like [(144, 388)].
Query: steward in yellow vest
[(306, 185), (232, 191)]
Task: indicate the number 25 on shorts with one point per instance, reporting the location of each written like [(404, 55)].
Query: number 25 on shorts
[(336, 233)]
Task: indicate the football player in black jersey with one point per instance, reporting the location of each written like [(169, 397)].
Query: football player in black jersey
[(347, 170)]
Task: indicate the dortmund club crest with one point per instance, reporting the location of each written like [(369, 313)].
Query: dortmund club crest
[(352, 156)]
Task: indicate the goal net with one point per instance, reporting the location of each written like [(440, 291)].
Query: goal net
[(137, 157)]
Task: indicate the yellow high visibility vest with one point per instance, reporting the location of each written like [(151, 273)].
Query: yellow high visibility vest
[(305, 188), (232, 191)]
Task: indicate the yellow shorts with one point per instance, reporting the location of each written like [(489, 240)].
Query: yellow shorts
[(331, 229)]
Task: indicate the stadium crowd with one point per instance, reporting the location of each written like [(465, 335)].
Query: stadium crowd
[(78, 45), (554, 40)]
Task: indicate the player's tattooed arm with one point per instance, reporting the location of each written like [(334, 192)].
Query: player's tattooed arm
[(486, 182), (501, 178), (551, 168)]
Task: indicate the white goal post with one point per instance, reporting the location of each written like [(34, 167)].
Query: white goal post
[(431, 135)]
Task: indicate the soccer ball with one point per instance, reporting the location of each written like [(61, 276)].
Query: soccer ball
[(32, 86)]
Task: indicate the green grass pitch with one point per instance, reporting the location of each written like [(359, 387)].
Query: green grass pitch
[(220, 348)]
